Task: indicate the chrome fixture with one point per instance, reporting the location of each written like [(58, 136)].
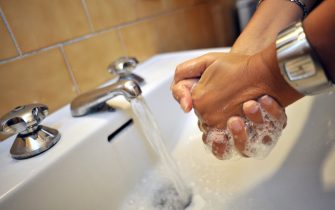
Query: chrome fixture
[(123, 68), (32, 138), (95, 100)]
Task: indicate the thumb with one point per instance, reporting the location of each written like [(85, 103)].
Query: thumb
[(181, 91)]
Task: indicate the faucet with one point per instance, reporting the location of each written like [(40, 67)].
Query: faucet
[(95, 100), (127, 85)]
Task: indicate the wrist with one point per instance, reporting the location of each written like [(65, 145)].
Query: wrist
[(279, 88), (299, 64)]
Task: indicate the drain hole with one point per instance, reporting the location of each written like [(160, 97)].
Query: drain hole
[(167, 198), (111, 136)]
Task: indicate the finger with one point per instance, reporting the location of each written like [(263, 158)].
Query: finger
[(252, 111), (238, 131), (219, 148), (272, 107), (217, 142), (193, 68), (182, 93)]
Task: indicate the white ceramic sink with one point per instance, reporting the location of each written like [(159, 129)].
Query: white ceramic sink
[(86, 171)]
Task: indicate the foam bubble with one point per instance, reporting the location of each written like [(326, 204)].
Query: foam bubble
[(219, 141), (261, 138)]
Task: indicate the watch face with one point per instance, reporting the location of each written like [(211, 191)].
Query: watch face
[(300, 68)]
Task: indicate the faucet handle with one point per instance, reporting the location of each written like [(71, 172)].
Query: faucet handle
[(23, 119), (32, 138), (123, 66)]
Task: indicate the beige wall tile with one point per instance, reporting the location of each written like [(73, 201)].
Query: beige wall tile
[(149, 7), (108, 13), (198, 28), (143, 39), (39, 23), (180, 30), (146, 38), (169, 33), (224, 21), (89, 59), (40, 78), (7, 48), (165, 33), (172, 4)]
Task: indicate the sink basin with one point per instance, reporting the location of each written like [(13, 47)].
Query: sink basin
[(103, 160)]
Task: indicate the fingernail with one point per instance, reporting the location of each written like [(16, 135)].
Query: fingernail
[(252, 106), (267, 100), (235, 125)]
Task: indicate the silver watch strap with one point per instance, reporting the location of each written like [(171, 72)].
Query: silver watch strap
[(299, 64)]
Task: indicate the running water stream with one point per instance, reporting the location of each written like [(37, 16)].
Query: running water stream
[(175, 197)]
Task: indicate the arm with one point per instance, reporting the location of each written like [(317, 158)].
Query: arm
[(320, 32), (259, 72), (228, 80), (269, 19)]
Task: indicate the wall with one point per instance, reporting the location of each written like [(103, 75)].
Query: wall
[(53, 50)]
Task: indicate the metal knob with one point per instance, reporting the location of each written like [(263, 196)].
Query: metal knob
[(32, 138), (123, 68), (23, 119)]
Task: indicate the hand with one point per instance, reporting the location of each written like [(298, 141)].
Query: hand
[(192, 84), (249, 139), (226, 81)]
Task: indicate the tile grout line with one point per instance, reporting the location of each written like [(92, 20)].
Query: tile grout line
[(151, 17), (31, 53), (69, 70), (88, 15), (34, 52), (90, 35), (4, 19)]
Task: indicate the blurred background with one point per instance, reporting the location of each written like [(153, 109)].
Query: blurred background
[(53, 50)]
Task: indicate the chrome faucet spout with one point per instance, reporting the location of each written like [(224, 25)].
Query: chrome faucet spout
[(95, 100)]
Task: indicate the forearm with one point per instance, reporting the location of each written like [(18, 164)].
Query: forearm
[(320, 32), (270, 18)]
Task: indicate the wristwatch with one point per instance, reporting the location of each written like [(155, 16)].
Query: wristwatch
[(299, 64)]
